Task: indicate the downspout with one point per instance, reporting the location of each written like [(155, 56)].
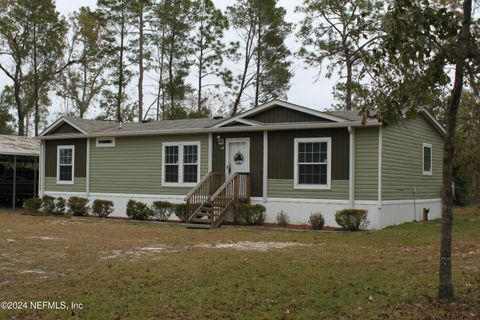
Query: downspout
[(380, 143), (14, 191), (265, 166), (42, 169), (210, 152), (351, 183), (87, 187)]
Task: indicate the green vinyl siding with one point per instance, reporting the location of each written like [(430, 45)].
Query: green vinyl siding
[(283, 188), (366, 164), (402, 161), (78, 186), (134, 165)]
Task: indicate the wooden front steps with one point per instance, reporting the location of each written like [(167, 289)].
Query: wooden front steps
[(208, 202)]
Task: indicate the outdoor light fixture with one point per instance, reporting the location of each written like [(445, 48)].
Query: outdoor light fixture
[(220, 141)]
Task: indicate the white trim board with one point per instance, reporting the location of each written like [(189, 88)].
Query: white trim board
[(66, 147), (180, 164), (296, 184), (427, 145), (227, 150)]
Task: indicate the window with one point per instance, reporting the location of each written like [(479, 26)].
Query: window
[(105, 142), (65, 164), (312, 163), (427, 159), (181, 164)]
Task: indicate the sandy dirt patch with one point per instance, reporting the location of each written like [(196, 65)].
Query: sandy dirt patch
[(261, 246)]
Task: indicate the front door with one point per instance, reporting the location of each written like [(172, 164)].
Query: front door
[(237, 156)]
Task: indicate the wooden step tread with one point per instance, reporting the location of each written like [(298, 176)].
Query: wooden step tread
[(200, 220)]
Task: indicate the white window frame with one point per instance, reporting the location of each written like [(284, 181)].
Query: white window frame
[(105, 145), (296, 184), (427, 145), (180, 146), (69, 147)]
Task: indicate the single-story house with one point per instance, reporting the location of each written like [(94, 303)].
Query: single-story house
[(284, 156)]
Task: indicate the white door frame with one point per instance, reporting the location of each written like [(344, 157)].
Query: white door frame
[(227, 153)]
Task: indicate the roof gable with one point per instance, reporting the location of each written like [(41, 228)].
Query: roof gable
[(278, 111), (281, 114), (63, 128)]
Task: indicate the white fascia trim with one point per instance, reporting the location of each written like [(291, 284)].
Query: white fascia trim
[(265, 166), (133, 195), (307, 200), (406, 201), (435, 121), (180, 163), (60, 147), (273, 127), (277, 102), (427, 145), (297, 185), (248, 122), (66, 193), (116, 195), (57, 123)]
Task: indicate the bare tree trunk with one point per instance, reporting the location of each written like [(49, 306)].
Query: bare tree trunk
[(200, 78), (161, 94), (120, 68), (248, 47), (140, 64), (21, 122), (35, 80), (170, 74), (259, 59), (445, 290), (348, 85)]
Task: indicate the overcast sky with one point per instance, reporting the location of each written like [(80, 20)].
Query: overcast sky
[(304, 90)]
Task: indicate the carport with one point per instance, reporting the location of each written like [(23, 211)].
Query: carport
[(18, 169)]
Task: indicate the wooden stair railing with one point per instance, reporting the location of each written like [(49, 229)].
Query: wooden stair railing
[(201, 193), (236, 189)]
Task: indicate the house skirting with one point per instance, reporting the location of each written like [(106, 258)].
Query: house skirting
[(298, 210)]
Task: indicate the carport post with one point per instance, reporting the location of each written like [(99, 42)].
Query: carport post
[(14, 195)]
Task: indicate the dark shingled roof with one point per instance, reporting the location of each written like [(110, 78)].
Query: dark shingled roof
[(99, 126), (351, 115)]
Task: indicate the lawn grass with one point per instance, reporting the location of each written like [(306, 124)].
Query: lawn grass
[(126, 270)]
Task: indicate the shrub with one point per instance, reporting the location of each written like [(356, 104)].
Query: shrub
[(138, 210), (352, 219), (282, 219), (60, 204), (316, 221), (251, 213), (48, 204), (102, 208), (181, 211), (162, 210), (33, 204), (78, 206)]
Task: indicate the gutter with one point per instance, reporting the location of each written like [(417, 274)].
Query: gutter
[(275, 127)]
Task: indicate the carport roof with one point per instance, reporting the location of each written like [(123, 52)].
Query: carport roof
[(19, 146)]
